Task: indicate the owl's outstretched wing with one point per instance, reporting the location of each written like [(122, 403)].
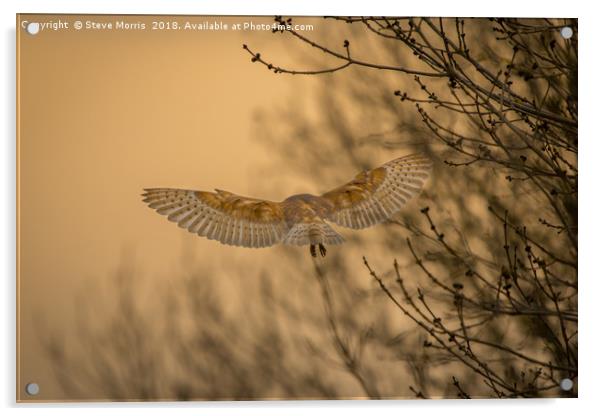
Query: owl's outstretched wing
[(375, 195), (221, 215)]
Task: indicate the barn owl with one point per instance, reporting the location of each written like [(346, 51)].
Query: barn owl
[(373, 196)]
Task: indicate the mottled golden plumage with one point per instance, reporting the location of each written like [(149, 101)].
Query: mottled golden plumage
[(370, 198)]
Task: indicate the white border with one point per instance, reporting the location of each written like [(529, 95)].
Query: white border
[(513, 8), (590, 70)]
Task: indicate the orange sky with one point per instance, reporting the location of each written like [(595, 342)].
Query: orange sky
[(103, 114)]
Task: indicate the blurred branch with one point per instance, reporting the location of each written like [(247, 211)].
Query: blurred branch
[(349, 358)]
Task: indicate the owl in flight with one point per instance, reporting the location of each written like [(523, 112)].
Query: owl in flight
[(373, 196)]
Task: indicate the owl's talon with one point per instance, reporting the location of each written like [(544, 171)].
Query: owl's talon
[(312, 250), (322, 250)]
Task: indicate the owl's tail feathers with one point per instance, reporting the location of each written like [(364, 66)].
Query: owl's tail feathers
[(315, 233)]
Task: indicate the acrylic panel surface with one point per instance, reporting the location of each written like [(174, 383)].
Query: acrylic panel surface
[(466, 289)]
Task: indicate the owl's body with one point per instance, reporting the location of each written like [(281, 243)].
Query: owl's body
[(370, 198), (305, 215)]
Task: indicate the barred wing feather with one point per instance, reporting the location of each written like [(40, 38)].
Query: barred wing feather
[(375, 195), (221, 215)]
